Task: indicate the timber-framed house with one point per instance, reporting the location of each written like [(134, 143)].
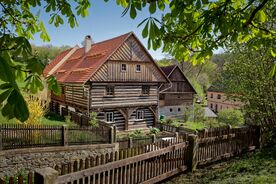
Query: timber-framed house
[(117, 78)]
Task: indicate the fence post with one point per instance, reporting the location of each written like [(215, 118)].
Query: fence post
[(64, 134), (176, 134), (153, 137), (111, 135), (192, 152), (45, 176), (114, 133), (130, 143)]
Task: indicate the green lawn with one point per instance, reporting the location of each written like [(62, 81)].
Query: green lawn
[(194, 125), (257, 168), (48, 120)]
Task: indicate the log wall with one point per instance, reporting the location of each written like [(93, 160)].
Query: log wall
[(125, 95)]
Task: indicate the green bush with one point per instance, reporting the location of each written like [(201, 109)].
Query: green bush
[(94, 119), (231, 117), (154, 130), (136, 133), (53, 116)]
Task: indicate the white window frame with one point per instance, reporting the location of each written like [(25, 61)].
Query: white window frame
[(140, 115), (107, 118), (122, 67), (139, 68)]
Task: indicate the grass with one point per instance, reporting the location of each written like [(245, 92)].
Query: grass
[(49, 119), (194, 125), (257, 168)]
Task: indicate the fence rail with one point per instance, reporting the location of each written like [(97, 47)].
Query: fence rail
[(145, 168), (28, 136)]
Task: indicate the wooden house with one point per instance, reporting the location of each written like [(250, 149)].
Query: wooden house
[(117, 78), (175, 95)]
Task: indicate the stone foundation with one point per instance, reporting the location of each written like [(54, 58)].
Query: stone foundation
[(28, 159)]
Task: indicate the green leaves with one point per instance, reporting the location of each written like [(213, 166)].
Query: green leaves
[(132, 11), (53, 85), (152, 7), (261, 16)]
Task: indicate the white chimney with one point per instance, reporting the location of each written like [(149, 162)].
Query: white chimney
[(87, 43)]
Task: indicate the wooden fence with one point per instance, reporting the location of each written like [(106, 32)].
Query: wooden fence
[(219, 143), (93, 161), (148, 167), (155, 162), (29, 136), (20, 179)]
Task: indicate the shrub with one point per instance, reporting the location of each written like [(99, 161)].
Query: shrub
[(67, 119), (136, 133), (211, 122), (154, 130), (93, 119), (231, 117), (194, 113), (53, 116), (37, 109)]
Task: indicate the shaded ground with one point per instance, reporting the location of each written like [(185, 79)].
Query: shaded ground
[(253, 168)]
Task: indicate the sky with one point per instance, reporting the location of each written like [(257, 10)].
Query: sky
[(105, 21)]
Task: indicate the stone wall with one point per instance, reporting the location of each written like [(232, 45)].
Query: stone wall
[(28, 159)]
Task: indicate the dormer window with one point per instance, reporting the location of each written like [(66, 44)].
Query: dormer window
[(123, 68), (138, 68)]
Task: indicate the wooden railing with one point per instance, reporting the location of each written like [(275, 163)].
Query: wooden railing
[(29, 136), (155, 162), (217, 144), (145, 168)]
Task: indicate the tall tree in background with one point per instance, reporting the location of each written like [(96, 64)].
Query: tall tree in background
[(247, 78), (47, 52)]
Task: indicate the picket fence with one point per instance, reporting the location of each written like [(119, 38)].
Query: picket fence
[(157, 161)]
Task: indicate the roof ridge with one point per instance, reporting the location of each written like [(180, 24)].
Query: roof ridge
[(112, 38)]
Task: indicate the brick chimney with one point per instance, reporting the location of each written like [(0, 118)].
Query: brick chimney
[(87, 43)]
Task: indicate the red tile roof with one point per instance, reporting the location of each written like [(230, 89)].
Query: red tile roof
[(80, 66)]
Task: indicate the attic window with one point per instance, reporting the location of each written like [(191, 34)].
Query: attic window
[(138, 68), (123, 68)]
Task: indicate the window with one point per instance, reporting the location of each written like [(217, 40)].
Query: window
[(145, 90), (138, 68), (139, 114), (109, 117), (216, 108), (123, 68), (211, 95), (211, 106), (109, 90), (179, 109), (62, 89), (170, 109), (219, 96)]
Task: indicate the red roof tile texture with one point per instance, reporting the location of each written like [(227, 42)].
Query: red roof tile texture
[(80, 66)]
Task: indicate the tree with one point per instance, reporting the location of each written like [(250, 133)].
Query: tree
[(188, 30), (247, 78), (233, 117), (191, 30), (47, 53), (17, 63)]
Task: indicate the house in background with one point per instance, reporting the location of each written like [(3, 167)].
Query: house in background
[(175, 95), (217, 99), (117, 78)]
